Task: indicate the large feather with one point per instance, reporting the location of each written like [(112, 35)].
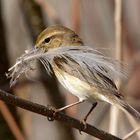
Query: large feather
[(87, 63)]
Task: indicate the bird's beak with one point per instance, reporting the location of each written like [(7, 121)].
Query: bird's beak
[(40, 47)]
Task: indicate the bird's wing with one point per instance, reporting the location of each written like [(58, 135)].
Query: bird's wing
[(97, 74), (91, 76)]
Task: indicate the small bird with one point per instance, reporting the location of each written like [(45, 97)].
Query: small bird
[(84, 71), (93, 86)]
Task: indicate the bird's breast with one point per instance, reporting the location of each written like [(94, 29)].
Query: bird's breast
[(79, 88)]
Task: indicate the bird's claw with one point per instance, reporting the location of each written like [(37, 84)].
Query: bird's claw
[(84, 125), (54, 110)]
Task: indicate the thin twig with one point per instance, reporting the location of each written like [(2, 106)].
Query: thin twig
[(48, 112), (119, 54), (118, 29), (10, 121), (75, 15), (131, 134), (51, 12)]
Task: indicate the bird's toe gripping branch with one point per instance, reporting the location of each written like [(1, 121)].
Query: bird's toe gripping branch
[(54, 111)]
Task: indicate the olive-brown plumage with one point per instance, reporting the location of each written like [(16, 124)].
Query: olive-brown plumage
[(56, 36), (82, 82)]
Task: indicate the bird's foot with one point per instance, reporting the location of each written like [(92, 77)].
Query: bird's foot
[(54, 111), (84, 125)]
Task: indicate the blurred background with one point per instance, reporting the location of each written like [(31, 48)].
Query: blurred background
[(108, 25)]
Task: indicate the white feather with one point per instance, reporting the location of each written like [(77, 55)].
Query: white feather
[(83, 55)]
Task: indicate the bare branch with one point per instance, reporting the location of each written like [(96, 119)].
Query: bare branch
[(48, 112)]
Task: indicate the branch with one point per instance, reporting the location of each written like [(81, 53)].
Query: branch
[(46, 111)]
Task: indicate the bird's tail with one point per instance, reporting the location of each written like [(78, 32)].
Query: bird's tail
[(127, 108)]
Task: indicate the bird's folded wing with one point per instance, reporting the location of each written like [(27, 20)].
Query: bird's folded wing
[(86, 73)]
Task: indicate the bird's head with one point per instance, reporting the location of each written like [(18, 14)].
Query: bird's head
[(56, 36)]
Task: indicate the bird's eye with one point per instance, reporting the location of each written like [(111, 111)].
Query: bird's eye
[(47, 40)]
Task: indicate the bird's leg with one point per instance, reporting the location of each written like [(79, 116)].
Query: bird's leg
[(85, 118), (70, 105), (63, 108)]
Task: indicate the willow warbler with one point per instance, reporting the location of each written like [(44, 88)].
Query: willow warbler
[(84, 71), (93, 85)]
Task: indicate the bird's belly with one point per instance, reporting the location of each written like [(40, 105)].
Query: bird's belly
[(74, 85), (77, 87)]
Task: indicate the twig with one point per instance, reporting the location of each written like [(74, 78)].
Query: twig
[(46, 111), (119, 46), (119, 54), (118, 29), (131, 133), (11, 122), (75, 15)]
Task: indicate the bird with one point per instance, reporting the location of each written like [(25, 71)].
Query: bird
[(84, 72), (93, 86)]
